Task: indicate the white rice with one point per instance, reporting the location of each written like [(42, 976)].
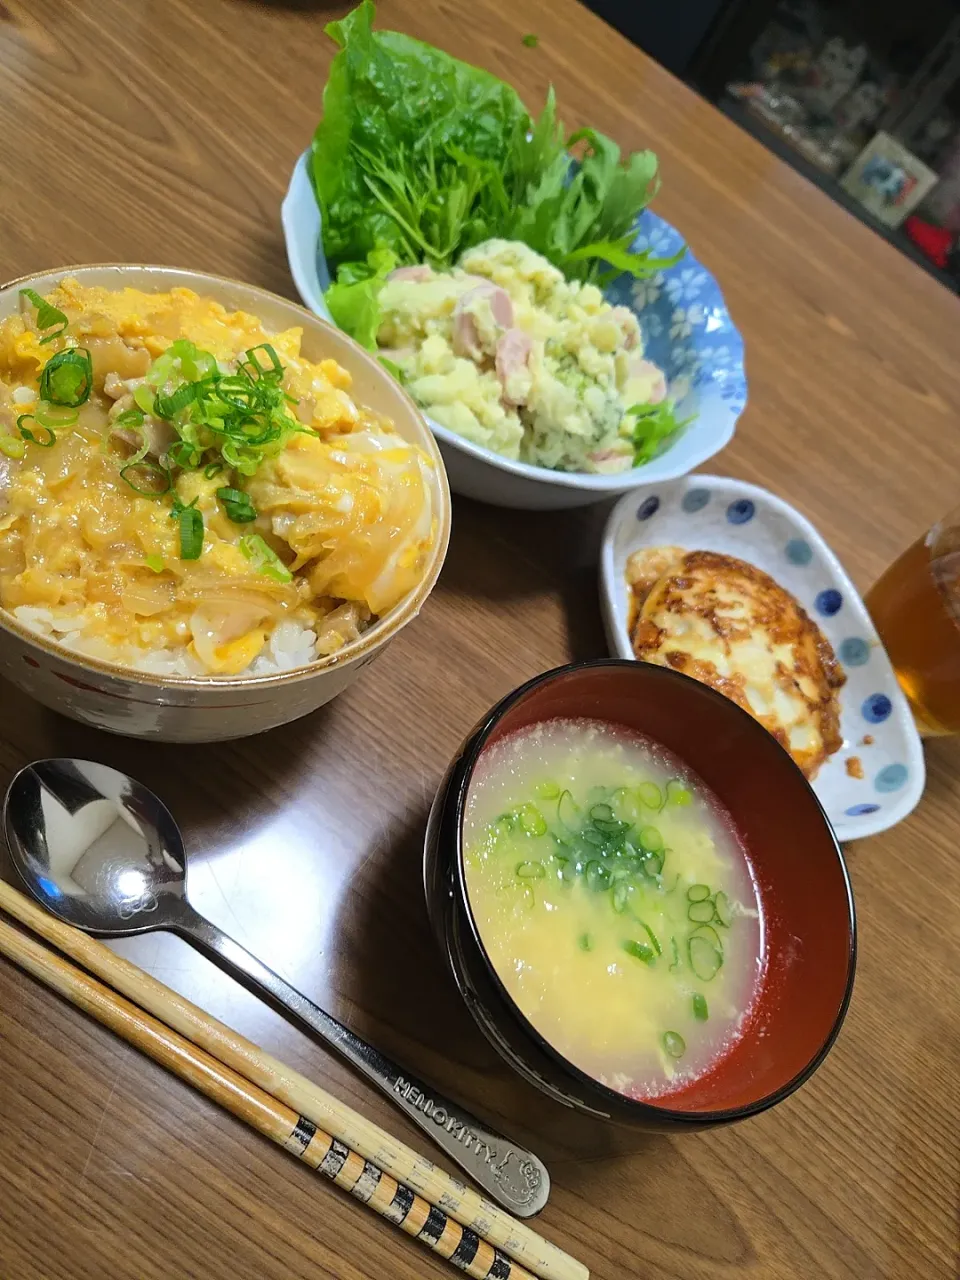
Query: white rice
[(290, 644)]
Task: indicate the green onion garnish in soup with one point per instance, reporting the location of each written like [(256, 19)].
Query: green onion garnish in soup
[(674, 1044), (601, 875)]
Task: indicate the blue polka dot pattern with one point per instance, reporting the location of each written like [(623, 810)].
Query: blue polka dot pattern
[(854, 652), (861, 810), (799, 551), (695, 500), (649, 507), (876, 708), (741, 511), (828, 602), (891, 777)]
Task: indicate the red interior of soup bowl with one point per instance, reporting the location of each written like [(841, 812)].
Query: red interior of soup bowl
[(804, 889)]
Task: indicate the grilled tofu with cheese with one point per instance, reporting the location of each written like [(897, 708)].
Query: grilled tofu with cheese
[(731, 626)]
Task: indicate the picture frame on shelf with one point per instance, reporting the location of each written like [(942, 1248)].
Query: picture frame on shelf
[(888, 179)]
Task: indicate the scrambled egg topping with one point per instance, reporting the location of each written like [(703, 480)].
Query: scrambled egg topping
[(341, 516), (729, 625)]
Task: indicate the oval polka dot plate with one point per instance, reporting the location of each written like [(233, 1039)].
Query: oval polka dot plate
[(877, 776)]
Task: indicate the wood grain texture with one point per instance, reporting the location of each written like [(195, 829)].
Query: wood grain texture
[(165, 132), (333, 1121), (396, 1201)]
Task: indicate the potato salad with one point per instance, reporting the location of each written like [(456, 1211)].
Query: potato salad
[(507, 353)]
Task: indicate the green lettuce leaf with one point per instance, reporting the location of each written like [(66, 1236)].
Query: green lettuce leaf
[(384, 163), (354, 299), (650, 428), (426, 156)]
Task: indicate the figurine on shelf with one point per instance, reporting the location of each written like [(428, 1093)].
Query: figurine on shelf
[(860, 108), (835, 71)]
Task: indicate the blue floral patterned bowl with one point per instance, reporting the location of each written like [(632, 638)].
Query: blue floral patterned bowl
[(877, 776), (687, 331)]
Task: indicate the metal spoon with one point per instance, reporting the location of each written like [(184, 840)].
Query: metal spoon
[(103, 853)]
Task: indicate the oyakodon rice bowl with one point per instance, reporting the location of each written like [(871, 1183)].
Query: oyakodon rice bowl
[(214, 507)]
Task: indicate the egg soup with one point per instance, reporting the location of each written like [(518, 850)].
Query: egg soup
[(615, 902), (184, 493)]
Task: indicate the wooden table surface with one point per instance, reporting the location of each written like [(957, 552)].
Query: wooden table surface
[(165, 132)]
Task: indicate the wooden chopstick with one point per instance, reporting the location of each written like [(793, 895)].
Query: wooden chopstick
[(345, 1126), (391, 1199)]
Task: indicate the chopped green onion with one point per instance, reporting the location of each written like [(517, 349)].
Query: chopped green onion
[(147, 478), (611, 829), (212, 469), (241, 510), (169, 406), (674, 1044), (596, 839), (47, 315), (532, 820), (624, 804), (134, 423), (601, 813), (700, 1011), (156, 563), (12, 447), (597, 876), (531, 870), (194, 363), (654, 940), (585, 942), (652, 865), (129, 418), (675, 951), (144, 397), (548, 791), (678, 793), (722, 904), (243, 415), (27, 434), (706, 958), (621, 896), (698, 892), (183, 454), (650, 795), (190, 519), (700, 912), (568, 811), (650, 839), (264, 559), (641, 951), (530, 41), (67, 377), (253, 362), (55, 417)]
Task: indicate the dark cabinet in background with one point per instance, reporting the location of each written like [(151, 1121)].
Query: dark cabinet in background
[(861, 96)]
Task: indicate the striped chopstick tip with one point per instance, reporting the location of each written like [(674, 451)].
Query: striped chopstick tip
[(426, 1222)]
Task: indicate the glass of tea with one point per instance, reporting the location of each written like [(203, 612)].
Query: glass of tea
[(915, 607)]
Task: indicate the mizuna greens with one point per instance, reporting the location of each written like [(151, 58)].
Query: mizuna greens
[(419, 157)]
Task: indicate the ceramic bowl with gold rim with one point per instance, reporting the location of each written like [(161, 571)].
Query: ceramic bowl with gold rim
[(204, 545)]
